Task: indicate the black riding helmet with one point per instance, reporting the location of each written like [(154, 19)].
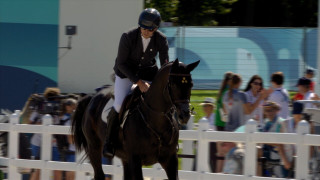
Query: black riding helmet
[(149, 18)]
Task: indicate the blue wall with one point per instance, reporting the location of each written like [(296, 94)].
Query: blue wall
[(246, 51), (28, 49)]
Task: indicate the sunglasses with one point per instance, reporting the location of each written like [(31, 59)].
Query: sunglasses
[(150, 30), (257, 84)]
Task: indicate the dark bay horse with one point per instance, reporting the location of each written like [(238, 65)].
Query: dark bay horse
[(150, 133)]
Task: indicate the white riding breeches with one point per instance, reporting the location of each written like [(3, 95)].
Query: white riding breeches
[(122, 88)]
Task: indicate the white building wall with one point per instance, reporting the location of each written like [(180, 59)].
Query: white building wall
[(100, 24)]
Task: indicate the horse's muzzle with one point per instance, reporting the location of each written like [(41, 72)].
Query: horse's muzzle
[(183, 111)]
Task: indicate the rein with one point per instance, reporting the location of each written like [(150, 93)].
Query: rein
[(167, 114), (164, 114)]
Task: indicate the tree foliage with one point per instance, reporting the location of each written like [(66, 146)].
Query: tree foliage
[(268, 13), (191, 12), (272, 13)]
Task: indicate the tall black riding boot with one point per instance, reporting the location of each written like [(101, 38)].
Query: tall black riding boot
[(112, 131)]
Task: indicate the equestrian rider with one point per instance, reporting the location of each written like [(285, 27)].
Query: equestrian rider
[(135, 64)]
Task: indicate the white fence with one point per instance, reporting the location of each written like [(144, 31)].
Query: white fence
[(302, 139)]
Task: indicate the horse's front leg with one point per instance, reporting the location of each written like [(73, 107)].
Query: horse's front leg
[(126, 171), (170, 165), (134, 168)]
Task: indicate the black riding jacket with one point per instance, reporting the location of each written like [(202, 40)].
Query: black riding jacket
[(135, 64)]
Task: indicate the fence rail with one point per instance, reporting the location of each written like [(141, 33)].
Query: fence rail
[(302, 140)]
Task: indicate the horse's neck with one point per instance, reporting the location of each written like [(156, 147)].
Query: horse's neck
[(155, 98), (158, 105)]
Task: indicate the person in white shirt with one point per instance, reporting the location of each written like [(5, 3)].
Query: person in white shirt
[(279, 95), (254, 95), (208, 109)]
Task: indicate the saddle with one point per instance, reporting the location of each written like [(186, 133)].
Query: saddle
[(130, 102)]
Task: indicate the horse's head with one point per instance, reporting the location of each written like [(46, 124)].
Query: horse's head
[(180, 84)]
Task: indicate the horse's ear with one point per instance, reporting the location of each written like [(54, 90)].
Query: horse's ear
[(190, 67), (175, 63)]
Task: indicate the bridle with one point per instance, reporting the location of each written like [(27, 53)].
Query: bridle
[(169, 90), (169, 114), (167, 94)]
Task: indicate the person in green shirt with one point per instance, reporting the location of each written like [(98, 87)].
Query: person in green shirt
[(219, 122)]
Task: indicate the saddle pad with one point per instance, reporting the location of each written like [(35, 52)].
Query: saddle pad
[(106, 110)]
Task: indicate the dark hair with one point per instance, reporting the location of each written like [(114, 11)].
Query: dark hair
[(224, 83), (67, 102), (277, 78), (235, 79), (253, 78), (309, 71)]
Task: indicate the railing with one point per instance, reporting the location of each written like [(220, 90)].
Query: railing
[(302, 140)]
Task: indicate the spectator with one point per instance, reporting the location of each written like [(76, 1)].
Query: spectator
[(68, 154), (309, 74), (288, 151), (220, 118), (233, 102), (255, 96), (305, 93), (50, 94), (273, 124), (219, 113), (279, 95), (208, 109), (234, 158), (236, 104)]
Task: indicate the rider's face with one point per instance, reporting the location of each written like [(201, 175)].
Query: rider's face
[(146, 33)]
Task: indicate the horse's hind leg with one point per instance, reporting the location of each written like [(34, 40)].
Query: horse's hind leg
[(170, 165), (95, 156)]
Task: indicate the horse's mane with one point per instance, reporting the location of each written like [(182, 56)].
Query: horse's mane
[(166, 65), (164, 69), (161, 79)]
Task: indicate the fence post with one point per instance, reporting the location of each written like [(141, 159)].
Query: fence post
[(250, 159), (116, 169), (303, 151), (203, 147), (156, 167), (79, 173), (187, 148), (46, 146), (13, 146)]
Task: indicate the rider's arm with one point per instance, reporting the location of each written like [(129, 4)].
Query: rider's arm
[(122, 58), (163, 50)]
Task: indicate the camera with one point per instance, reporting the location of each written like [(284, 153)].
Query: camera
[(44, 105)]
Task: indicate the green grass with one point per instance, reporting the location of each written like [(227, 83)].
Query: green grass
[(197, 96)]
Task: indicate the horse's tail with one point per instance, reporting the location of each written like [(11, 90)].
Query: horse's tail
[(77, 121)]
